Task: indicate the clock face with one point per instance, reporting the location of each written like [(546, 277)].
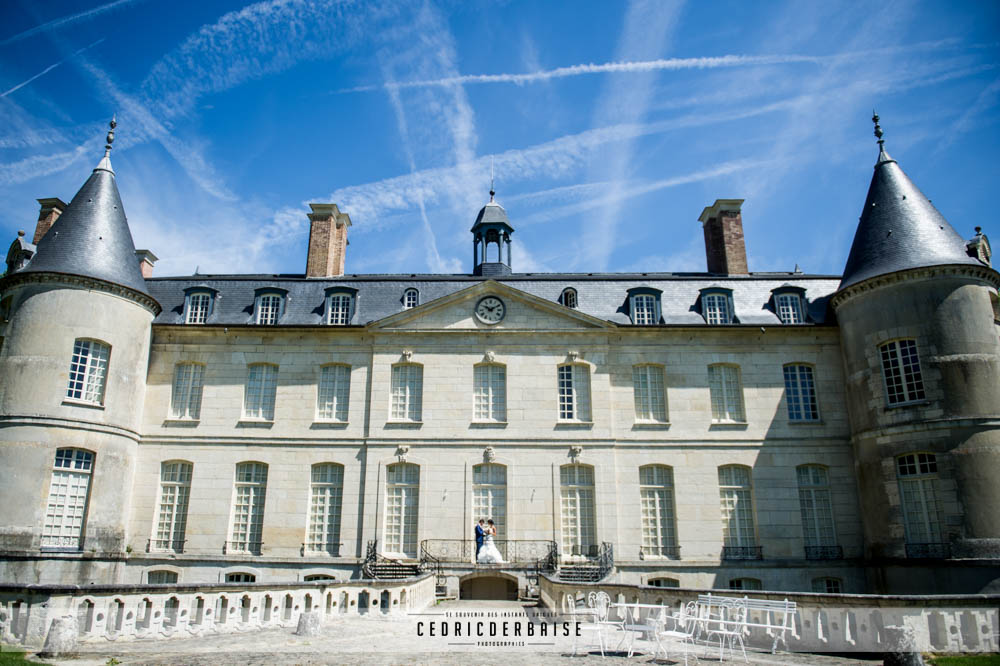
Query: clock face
[(490, 310)]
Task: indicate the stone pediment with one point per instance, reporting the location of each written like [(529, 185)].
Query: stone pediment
[(522, 311)]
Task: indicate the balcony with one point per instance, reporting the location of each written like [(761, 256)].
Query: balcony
[(928, 551), (742, 552), (824, 553), (517, 553)]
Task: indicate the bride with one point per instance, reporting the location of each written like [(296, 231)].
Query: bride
[(489, 554)]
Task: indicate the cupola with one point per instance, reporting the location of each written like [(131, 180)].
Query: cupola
[(492, 228)]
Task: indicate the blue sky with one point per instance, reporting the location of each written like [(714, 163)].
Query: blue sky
[(611, 125)]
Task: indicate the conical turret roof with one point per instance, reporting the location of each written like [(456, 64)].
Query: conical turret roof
[(91, 238), (900, 229)]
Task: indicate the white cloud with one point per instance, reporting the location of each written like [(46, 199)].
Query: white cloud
[(55, 24)]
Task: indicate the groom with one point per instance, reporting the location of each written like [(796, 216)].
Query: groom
[(480, 533)]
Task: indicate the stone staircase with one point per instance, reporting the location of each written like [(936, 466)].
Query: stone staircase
[(389, 570), (580, 573)]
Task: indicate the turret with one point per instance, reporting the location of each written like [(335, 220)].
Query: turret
[(922, 358), (492, 228), (73, 362)]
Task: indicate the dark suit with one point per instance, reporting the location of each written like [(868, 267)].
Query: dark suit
[(480, 533)]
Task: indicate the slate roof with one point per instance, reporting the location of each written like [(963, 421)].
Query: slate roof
[(491, 213), (91, 238), (900, 229), (604, 296)]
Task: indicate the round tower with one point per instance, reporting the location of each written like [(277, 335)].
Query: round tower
[(916, 309), (76, 336)]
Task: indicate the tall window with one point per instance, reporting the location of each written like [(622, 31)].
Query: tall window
[(716, 308), (66, 507), (490, 392), (248, 508), (185, 398), (407, 392), (339, 309), (262, 383), (918, 477), (325, 508), (411, 298), (800, 393), (816, 507), (333, 394), (199, 306), (644, 310), (579, 525), (489, 495), (901, 371), (727, 393), (568, 297), (735, 494), (269, 309), (171, 515), (789, 308), (574, 392), (650, 399), (402, 499), (87, 371), (656, 495)]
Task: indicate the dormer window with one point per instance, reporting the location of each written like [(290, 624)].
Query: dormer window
[(198, 305), (339, 306), (269, 306), (717, 306), (568, 297), (789, 304), (411, 298), (644, 306)]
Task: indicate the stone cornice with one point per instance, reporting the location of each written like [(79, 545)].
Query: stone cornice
[(984, 274), (122, 291), (72, 424)]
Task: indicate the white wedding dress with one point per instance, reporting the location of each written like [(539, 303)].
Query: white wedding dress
[(489, 554)]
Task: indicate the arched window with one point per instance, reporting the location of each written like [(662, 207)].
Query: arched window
[(402, 500), (574, 392), (88, 371), (248, 508), (489, 382), (717, 305), (171, 514), (789, 303), (339, 308), (656, 497), (726, 391), (240, 577), (185, 396), (407, 392), (489, 496), (325, 509), (644, 306), (568, 297), (817, 513), (161, 577), (918, 491), (411, 298), (334, 392), (800, 392), (66, 508), (650, 397), (579, 523), (198, 305), (663, 582), (269, 305), (738, 531)]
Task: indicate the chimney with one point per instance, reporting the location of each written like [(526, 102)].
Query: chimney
[(146, 261), (47, 216), (327, 241), (725, 249)]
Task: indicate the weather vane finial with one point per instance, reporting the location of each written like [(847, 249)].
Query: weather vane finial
[(111, 135), (878, 130), (492, 191)]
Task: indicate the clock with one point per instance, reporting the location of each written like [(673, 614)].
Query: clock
[(490, 310)]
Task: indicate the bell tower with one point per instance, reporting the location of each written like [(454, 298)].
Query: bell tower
[(491, 233)]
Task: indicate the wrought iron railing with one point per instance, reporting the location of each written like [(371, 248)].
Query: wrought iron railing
[(165, 545), (742, 552), (606, 559), (242, 547), (541, 554), (824, 553), (932, 551), (371, 557)]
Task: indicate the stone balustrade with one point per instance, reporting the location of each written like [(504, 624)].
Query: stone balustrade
[(127, 612), (833, 622)]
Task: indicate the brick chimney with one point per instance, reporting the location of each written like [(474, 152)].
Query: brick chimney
[(725, 249), (47, 216), (327, 241), (146, 261)]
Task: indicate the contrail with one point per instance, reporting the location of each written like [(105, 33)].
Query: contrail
[(50, 68), (59, 22), (662, 64)]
